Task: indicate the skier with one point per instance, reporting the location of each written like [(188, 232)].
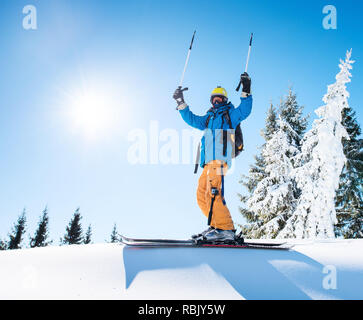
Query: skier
[(216, 155)]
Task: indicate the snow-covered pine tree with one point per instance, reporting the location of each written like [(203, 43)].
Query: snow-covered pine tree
[(271, 124), (114, 235), (292, 114), (88, 235), (74, 233), (3, 245), (16, 237), (256, 174), (272, 196), (349, 196), (41, 234), (321, 163), (273, 200)]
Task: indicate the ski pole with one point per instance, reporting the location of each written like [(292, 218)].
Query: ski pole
[(248, 59), (186, 64)]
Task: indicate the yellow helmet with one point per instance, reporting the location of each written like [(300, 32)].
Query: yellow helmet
[(219, 91)]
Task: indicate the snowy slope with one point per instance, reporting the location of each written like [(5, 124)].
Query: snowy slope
[(312, 270)]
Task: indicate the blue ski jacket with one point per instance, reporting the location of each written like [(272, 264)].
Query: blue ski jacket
[(212, 140)]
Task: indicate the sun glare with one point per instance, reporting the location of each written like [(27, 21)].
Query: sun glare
[(93, 114)]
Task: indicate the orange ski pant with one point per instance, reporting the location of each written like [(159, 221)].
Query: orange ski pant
[(213, 177)]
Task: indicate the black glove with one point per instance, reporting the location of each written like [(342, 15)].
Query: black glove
[(178, 95), (246, 83)]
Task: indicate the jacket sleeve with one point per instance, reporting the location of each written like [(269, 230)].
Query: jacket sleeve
[(193, 120), (242, 111)]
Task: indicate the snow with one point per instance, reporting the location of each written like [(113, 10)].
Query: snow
[(88, 271), (326, 269)]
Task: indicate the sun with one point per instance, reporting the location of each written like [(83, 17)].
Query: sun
[(92, 113)]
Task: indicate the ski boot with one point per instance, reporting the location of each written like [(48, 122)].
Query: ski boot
[(201, 235), (219, 236)]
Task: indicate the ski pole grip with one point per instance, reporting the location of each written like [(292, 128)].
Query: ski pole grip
[(185, 89), (239, 85), (180, 88)]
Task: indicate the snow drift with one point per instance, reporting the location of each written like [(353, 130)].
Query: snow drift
[(311, 270)]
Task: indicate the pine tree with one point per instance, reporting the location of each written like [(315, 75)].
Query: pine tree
[(273, 199), (320, 164), (349, 199), (272, 192), (292, 114), (257, 170), (41, 235), (74, 233), (271, 123), (114, 235), (16, 237), (88, 236), (256, 174), (3, 245)]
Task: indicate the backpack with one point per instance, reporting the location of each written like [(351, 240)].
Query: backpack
[(236, 139)]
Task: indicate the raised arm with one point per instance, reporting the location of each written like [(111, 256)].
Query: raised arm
[(189, 117), (193, 120), (244, 109)]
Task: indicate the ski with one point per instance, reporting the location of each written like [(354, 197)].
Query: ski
[(129, 240), (200, 244)]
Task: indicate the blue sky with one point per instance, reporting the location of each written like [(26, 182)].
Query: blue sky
[(126, 59)]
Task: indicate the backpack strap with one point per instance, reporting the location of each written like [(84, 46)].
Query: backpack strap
[(226, 115), (228, 118), (207, 121), (224, 139)]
